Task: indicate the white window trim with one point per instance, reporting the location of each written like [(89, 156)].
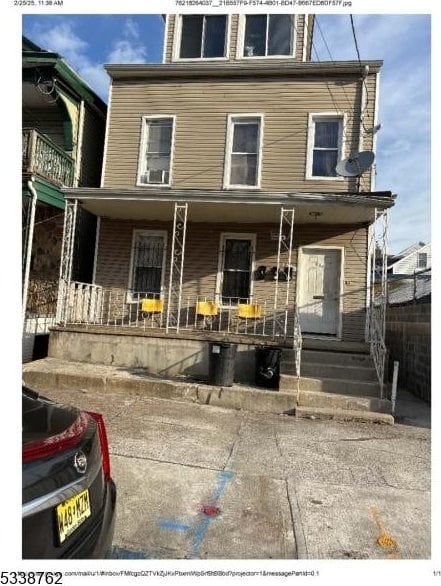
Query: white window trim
[(228, 150), (143, 146), (306, 18), (235, 236), (177, 35), (310, 144), (131, 296), (300, 262), (166, 31), (241, 41)]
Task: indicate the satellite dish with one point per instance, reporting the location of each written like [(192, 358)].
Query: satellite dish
[(356, 165)]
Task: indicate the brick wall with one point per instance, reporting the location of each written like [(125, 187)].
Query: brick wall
[(408, 339)]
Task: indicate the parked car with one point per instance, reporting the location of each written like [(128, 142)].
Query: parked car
[(69, 497)]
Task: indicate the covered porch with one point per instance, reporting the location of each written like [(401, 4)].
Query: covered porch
[(270, 268)]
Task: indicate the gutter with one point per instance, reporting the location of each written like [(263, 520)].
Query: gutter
[(239, 69), (29, 248), (372, 199)]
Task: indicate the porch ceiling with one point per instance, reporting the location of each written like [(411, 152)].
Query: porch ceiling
[(234, 208)]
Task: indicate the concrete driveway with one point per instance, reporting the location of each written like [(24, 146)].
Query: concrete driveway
[(201, 482)]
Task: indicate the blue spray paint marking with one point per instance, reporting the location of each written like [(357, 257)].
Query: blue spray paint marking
[(173, 525), (201, 528)]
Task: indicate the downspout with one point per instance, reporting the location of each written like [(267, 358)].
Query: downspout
[(29, 248)]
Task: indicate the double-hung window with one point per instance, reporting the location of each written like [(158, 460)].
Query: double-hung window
[(156, 150), (203, 36), (236, 268), (148, 257), (422, 260), (242, 168), (268, 35), (325, 145)]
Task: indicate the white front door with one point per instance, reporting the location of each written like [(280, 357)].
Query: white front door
[(319, 290)]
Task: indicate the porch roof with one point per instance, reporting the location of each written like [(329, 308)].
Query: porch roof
[(231, 205)]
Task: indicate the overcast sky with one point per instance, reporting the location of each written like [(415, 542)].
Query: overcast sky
[(402, 41)]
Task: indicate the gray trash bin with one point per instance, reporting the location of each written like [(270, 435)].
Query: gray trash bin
[(221, 364)]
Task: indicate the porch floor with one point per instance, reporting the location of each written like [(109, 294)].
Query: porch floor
[(308, 343)]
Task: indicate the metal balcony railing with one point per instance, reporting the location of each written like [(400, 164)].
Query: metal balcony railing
[(40, 156)]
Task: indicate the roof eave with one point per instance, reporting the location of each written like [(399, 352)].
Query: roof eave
[(149, 71)]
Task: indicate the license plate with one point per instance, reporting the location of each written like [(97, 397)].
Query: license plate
[(72, 513)]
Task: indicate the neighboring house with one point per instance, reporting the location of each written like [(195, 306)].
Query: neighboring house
[(409, 274), (417, 257), (63, 126), (220, 212)]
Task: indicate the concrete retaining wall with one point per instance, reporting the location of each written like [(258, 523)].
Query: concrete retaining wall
[(162, 356), (408, 339)]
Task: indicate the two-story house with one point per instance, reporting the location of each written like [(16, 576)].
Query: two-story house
[(63, 124), (220, 213)]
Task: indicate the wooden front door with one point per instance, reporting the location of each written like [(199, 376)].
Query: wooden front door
[(319, 290)]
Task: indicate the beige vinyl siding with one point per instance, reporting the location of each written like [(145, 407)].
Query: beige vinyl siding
[(201, 109), (202, 253), (92, 148)]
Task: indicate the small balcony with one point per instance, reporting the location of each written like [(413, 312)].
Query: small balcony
[(40, 156)]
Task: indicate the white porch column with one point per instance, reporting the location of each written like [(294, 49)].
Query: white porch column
[(284, 258), (176, 266), (70, 217)]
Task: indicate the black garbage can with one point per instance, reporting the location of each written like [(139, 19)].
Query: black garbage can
[(221, 364), (268, 366)]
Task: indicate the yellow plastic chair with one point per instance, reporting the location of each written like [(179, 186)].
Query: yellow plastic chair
[(249, 310), (151, 307), (207, 308)]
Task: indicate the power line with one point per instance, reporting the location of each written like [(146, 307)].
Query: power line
[(365, 110)]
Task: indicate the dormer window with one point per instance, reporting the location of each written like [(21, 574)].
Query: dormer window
[(268, 35), (203, 36)]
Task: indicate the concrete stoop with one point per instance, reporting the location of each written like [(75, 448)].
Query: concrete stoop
[(332, 384), (54, 374)]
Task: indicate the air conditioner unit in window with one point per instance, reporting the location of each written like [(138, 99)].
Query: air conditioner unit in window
[(158, 177)]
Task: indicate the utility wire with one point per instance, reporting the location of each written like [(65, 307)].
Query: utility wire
[(365, 110)]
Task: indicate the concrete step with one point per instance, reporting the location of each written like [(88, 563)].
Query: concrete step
[(330, 385), (337, 358), (50, 373), (335, 401), (343, 415), (53, 374), (324, 357), (352, 373)]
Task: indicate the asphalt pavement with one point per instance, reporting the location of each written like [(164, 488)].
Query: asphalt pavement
[(202, 482)]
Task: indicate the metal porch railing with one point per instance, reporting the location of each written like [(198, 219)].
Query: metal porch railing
[(89, 305)]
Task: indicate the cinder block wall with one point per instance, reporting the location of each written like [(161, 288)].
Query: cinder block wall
[(408, 339)]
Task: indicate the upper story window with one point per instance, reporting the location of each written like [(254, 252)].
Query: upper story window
[(203, 36), (325, 146), (156, 150), (268, 35), (422, 260), (242, 168)]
